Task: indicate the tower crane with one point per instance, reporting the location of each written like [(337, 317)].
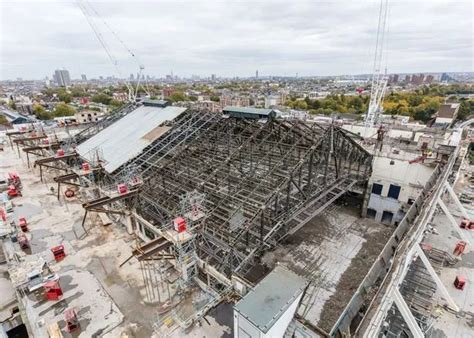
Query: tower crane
[(379, 78), (89, 12)]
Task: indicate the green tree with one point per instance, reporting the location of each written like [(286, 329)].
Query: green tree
[(115, 103), (64, 96), (466, 109), (177, 97), (41, 113), (301, 105), (101, 98), (214, 98), (78, 92), (12, 104), (64, 109), (3, 119)]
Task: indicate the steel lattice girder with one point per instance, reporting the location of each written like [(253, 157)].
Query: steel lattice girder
[(261, 172)]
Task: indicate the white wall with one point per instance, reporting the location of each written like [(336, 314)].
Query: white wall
[(409, 177), (279, 328), (243, 328), (444, 120), (397, 133)]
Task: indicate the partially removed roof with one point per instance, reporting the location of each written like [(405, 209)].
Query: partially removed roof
[(126, 138)]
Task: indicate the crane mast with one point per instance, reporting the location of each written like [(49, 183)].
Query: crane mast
[(379, 78)]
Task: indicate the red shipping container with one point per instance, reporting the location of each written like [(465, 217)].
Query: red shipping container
[(23, 224), (460, 282), (58, 252), (72, 323), (179, 224), (122, 189), (459, 248), (52, 290)]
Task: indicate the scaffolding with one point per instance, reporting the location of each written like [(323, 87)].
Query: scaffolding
[(256, 175)]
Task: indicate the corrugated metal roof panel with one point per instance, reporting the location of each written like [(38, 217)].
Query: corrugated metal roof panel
[(125, 139)]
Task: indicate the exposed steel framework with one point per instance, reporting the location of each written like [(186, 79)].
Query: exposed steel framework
[(262, 180)]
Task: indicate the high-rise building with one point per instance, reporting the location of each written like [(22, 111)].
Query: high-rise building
[(417, 79), (213, 77), (62, 78), (256, 74), (83, 77)]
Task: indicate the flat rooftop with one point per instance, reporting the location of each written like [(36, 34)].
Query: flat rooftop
[(106, 297)]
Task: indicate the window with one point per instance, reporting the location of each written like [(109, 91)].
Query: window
[(387, 217), (371, 213), (377, 189), (394, 191)]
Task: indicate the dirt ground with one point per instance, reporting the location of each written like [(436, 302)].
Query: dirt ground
[(335, 250)]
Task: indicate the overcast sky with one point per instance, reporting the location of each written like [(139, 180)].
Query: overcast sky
[(234, 38)]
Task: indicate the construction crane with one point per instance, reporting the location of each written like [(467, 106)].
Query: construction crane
[(379, 78), (89, 12)]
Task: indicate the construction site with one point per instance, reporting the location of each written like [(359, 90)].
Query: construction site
[(159, 220), (170, 228)]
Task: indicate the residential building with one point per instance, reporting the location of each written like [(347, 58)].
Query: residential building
[(122, 97), (62, 78), (166, 92), (272, 101), (87, 116), (447, 114), (234, 101)]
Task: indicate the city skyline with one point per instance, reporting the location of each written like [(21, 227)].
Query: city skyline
[(282, 39)]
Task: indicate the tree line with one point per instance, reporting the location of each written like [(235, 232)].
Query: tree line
[(419, 105)]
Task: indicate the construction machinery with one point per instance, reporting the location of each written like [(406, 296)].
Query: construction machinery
[(379, 78)]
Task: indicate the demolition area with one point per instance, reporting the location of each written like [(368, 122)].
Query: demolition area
[(159, 220)]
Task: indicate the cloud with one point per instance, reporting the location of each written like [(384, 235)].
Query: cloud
[(233, 38)]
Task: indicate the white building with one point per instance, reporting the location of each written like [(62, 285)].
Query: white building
[(86, 116), (272, 101), (446, 114), (395, 183), (267, 310)]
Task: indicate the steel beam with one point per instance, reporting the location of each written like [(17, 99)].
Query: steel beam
[(453, 221), (434, 275), (406, 314), (456, 200)]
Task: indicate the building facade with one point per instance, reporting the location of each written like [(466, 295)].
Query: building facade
[(87, 116), (395, 184), (62, 78)]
